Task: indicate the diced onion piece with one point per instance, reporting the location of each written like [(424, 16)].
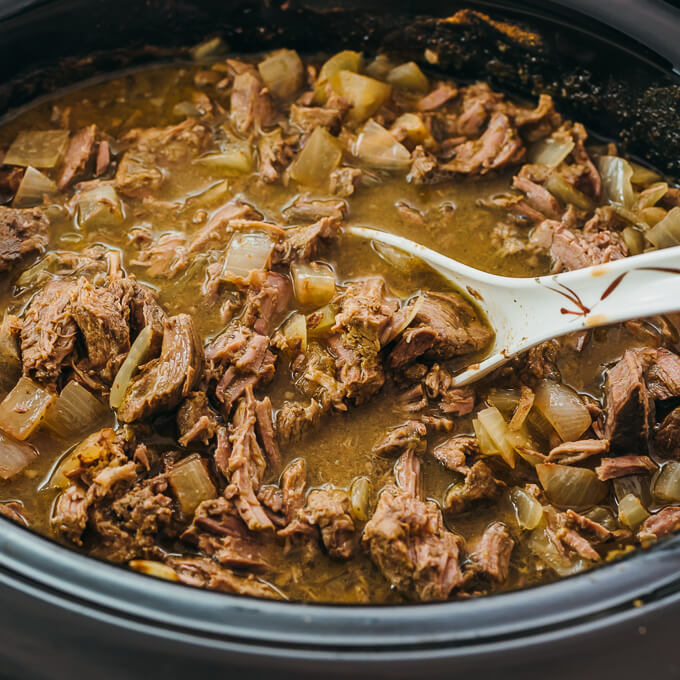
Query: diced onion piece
[(404, 321), (408, 76), (566, 193), (152, 568), (550, 151), (136, 356), (295, 330), (570, 486), (631, 511), (191, 483), (33, 189), (321, 321), (379, 67), (365, 95), (642, 175), (377, 148), (76, 412), (540, 545), (99, 207), (235, 158), (347, 60), (632, 217), (414, 127), (497, 429), (563, 409), (651, 196), (313, 283), (616, 180), (22, 410), (208, 49), (505, 400), (282, 73), (10, 363), (634, 239), (246, 253), (602, 516), (667, 483), (666, 233), (320, 155), (359, 496), (486, 444), (528, 510), (37, 148), (653, 215), (14, 455)]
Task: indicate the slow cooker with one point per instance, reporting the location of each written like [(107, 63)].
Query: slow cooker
[(614, 65)]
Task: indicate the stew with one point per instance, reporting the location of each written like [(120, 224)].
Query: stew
[(205, 379)]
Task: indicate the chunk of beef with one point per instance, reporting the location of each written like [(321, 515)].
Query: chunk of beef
[(457, 401), (437, 98), (454, 452), (314, 373), (628, 408), (329, 509), (80, 150), (293, 487), (577, 250), (499, 146), (216, 231), (408, 542), (275, 154), (662, 372), (247, 465), (424, 167), (312, 210), (594, 531), (344, 180), (48, 332), (266, 300), (492, 556), (304, 243), (165, 256), (444, 326), (22, 232), (667, 438), (479, 484), (568, 453), (15, 512), (162, 383), (538, 197), (309, 118), (217, 530), (205, 573), (295, 418), (251, 107), (661, 523), (407, 437), (611, 468), (196, 420), (264, 425), (69, 517), (565, 538), (239, 357)]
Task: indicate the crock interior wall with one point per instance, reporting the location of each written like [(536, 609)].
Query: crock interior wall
[(619, 92)]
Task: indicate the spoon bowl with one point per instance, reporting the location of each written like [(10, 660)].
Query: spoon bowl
[(524, 312)]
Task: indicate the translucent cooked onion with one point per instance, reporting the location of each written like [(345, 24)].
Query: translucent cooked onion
[(33, 189), (37, 148), (492, 421), (282, 73), (320, 155), (634, 239), (76, 412), (408, 76), (486, 445), (404, 320), (23, 409), (528, 511), (10, 363), (379, 67), (136, 356), (295, 330), (14, 455), (414, 127), (550, 151), (99, 208), (667, 483), (347, 60), (566, 193), (191, 483), (632, 512), (365, 95), (359, 495), (209, 49), (152, 568), (563, 409), (313, 283), (616, 180), (235, 158), (642, 175), (321, 321), (246, 253), (505, 400), (540, 545), (377, 148), (666, 233), (651, 195), (570, 486)]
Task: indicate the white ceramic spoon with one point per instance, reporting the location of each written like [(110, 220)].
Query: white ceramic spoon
[(527, 311)]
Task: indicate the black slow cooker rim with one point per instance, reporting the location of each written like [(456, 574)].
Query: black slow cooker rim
[(49, 571)]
